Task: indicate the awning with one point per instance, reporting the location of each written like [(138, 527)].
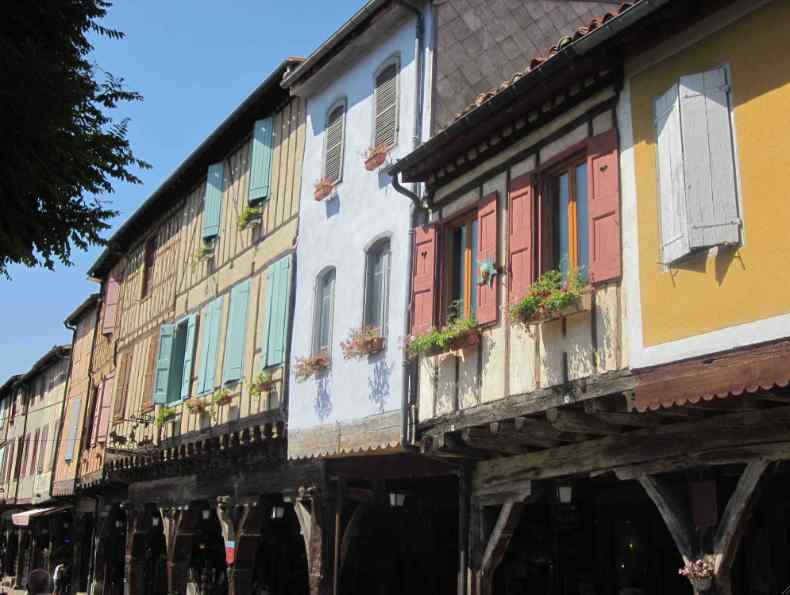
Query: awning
[(715, 376), (22, 519)]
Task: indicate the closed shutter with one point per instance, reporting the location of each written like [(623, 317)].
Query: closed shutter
[(25, 456), (386, 107), (236, 333), (3, 460), (55, 440), (278, 292), (487, 251), (208, 359), (34, 452), (212, 201), (709, 160), (10, 463), (603, 203), (423, 284), (189, 356), (333, 149), (261, 165), (119, 405), (521, 257), (71, 436), (43, 449), (105, 408), (166, 336), (111, 299), (150, 373)]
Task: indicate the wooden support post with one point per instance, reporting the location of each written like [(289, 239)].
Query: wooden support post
[(179, 530), (675, 514), (101, 536), (464, 501), (241, 524), (313, 523), (337, 536), (20, 558), (138, 523), (359, 514)]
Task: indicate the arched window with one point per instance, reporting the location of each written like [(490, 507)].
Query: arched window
[(333, 143), (324, 309), (386, 98), (377, 285)]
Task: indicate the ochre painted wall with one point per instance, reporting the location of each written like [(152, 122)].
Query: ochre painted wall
[(709, 291)]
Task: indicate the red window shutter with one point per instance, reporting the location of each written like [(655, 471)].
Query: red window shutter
[(487, 251), (423, 284), (604, 207), (520, 266), (111, 299), (104, 411)]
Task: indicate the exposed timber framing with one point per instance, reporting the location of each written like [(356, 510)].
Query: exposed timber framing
[(573, 421), (676, 516)]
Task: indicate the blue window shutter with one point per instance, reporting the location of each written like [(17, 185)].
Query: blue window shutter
[(74, 418), (278, 297), (234, 338), (166, 333), (212, 314), (189, 356), (212, 201), (261, 165)]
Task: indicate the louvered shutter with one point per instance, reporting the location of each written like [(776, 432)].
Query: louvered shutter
[(42, 449), (671, 177), (162, 382), (603, 196), (278, 284), (98, 397), (487, 251), (709, 160), (189, 356), (10, 466), (119, 404), (521, 215), (150, 373), (212, 201), (71, 436), (235, 336), (111, 299), (208, 359), (105, 408), (386, 125), (333, 160), (34, 453), (423, 284), (261, 163)]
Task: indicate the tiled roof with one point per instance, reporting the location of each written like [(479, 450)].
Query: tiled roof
[(580, 32)]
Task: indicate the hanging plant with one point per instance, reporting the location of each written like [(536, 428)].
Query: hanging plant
[(459, 334), (221, 396), (262, 384), (376, 156), (164, 415), (248, 216), (552, 296), (362, 342), (305, 367), (323, 188)]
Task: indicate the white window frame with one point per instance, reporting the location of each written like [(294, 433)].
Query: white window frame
[(378, 245), (316, 348)]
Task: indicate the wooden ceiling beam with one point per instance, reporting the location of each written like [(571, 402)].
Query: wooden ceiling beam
[(575, 421)]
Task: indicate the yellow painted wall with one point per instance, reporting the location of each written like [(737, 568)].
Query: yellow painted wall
[(708, 293)]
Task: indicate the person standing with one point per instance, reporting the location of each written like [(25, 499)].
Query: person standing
[(60, 578)]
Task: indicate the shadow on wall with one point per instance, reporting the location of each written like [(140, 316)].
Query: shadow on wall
[(379, 384), (323, 400)]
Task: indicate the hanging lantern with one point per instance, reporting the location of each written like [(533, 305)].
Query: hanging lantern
[(278, 512), (397, 499)]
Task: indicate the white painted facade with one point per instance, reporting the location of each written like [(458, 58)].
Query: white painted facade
[(337, 232)]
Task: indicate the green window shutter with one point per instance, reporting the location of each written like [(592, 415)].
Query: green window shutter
[(166, 334), (261, 166), (234, 338), (277, 300), (212, 315), (74, 418), (189, 355), (212, 201)]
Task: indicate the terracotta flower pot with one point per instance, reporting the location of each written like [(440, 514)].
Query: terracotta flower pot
[(374, 345), (375, 161), (322, 191)]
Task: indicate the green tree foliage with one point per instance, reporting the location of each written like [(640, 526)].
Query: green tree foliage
[(59, 148)]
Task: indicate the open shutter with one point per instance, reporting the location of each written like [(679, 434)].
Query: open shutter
[(521, 213), (111, 299), (98, 397), (603, 169), (119, 404), (10, 462), (234, 338), (105, 408), (386, 107), (34, 453), (671, 178), (709, 160), (278, 291), (166, 335), (71, 436), (487, 252), (208, 356), (150, 373), (423, 284), (212, 201), (42, 449), (333, 144), (189, 356), (261, 165)]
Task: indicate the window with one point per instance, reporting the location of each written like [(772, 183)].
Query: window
[(696, 165), (112, 295), (74, 418), (34, 453), (261, 161), (324, 306), (149, 259), (211, 317), (212, 201), (43, 450), (462, 268), (174, 360), (564, 239), (377, 286), (386, 101), (236, 334), (333, 143), (278, 291)]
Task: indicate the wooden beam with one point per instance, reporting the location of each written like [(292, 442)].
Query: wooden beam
[(514, 431), (632, 420), (352, 528), (571, 420), (676, 516), (483, 439), (539, 429), (499, 541)]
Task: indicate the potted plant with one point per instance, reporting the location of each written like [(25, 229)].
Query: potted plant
[(248, 216), (305, 367), (221, 396), (205, 250), (362, 341), (196, 405), (552, 296), (262, 384), (700, 574), (323, 188), (164, 415), (376, 156), (460, 334)]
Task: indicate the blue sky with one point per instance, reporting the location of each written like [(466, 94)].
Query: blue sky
[(193, 61)]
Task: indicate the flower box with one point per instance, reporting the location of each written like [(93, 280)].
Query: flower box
[(362, 342), (221, 397), (305, 367), (262, 384), (196, 406), (460, 334), (582, 303), (466, 341), (376, 156), (323, 189)]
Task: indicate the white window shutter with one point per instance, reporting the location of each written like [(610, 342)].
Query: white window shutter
[(333, 151), (709, 159), (671, 179), (386, 125)]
